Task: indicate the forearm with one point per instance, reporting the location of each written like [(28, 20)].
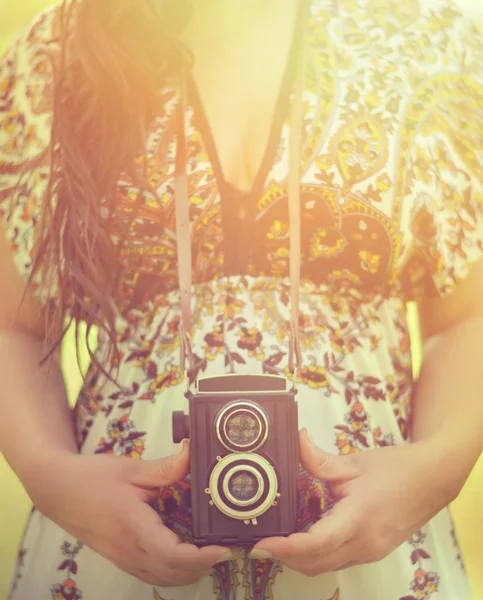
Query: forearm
[(448, 398), (37, 422)]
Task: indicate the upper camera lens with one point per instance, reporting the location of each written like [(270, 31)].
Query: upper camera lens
[(242, 426)]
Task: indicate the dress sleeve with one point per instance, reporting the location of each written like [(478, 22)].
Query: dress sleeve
[(25, 131), (445, 167)]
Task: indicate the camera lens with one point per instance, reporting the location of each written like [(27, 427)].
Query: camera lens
[(243, 486), (242, 426)]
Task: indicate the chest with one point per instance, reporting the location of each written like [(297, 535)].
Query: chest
[(240, 84), (356, 167)]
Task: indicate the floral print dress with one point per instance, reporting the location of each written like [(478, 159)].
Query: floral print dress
[(391, 201)]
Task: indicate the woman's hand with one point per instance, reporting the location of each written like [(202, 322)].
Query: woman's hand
[(103, 501), (385, 495)]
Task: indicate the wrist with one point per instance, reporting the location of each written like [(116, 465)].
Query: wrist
[(37, 464), (450, 463)]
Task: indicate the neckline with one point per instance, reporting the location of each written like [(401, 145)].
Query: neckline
[(225, 188)]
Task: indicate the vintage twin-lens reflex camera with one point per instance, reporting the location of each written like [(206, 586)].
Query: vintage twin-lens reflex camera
[(244, 458)]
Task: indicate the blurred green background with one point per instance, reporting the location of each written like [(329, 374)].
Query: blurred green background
[(14, 503)]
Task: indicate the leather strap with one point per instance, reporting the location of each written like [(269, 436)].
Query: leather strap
[(183, 235), (295, 161)]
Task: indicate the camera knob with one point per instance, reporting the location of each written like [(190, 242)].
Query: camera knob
[(181, 426)]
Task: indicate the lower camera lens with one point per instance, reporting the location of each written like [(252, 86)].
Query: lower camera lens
[(243, 486)]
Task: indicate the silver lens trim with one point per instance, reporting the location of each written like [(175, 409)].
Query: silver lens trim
[(242, 406), (234, 471), (271, 492)]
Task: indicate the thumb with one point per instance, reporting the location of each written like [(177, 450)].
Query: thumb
[(325, 466), (162, 471)]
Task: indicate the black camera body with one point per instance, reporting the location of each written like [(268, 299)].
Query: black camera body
[(243, 431)]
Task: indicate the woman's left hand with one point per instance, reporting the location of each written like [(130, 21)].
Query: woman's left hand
[(386, 495)]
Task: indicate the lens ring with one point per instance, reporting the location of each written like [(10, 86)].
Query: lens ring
[(238, 471), (242, 426), (235, 424), (237, 509)]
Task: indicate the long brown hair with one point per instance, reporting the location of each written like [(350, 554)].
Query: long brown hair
[(115, 57)]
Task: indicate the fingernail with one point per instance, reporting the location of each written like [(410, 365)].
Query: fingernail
[(260, 554), (233, 554), (226, 556), (309, 437), (181, 449)]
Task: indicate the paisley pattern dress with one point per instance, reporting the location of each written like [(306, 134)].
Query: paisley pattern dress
[(391, 200)]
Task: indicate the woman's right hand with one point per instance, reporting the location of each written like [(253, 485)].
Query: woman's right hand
[(103, 500)]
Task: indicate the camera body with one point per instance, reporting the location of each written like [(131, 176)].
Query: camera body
[(243, 431)]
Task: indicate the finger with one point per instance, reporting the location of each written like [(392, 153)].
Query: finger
[(352, 563), (327, 535), (169, 578), (357, 551), (341, 558), (166, 578), (163, 471), (158, 572), (148, 495), (135, 565), (162, 544), (316, 566), (325, 466)]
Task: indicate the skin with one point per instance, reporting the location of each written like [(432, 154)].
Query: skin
[(240, 51), (386, 494), (365, 530), (50, 468)]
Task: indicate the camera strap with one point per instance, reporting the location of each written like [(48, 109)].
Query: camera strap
[(182, 211)]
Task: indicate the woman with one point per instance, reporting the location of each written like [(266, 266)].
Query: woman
[(390, 197)]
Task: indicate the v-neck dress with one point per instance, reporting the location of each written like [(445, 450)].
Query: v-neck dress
[(391, 201)]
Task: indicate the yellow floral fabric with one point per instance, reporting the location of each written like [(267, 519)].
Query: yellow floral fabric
[(391, 201)]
